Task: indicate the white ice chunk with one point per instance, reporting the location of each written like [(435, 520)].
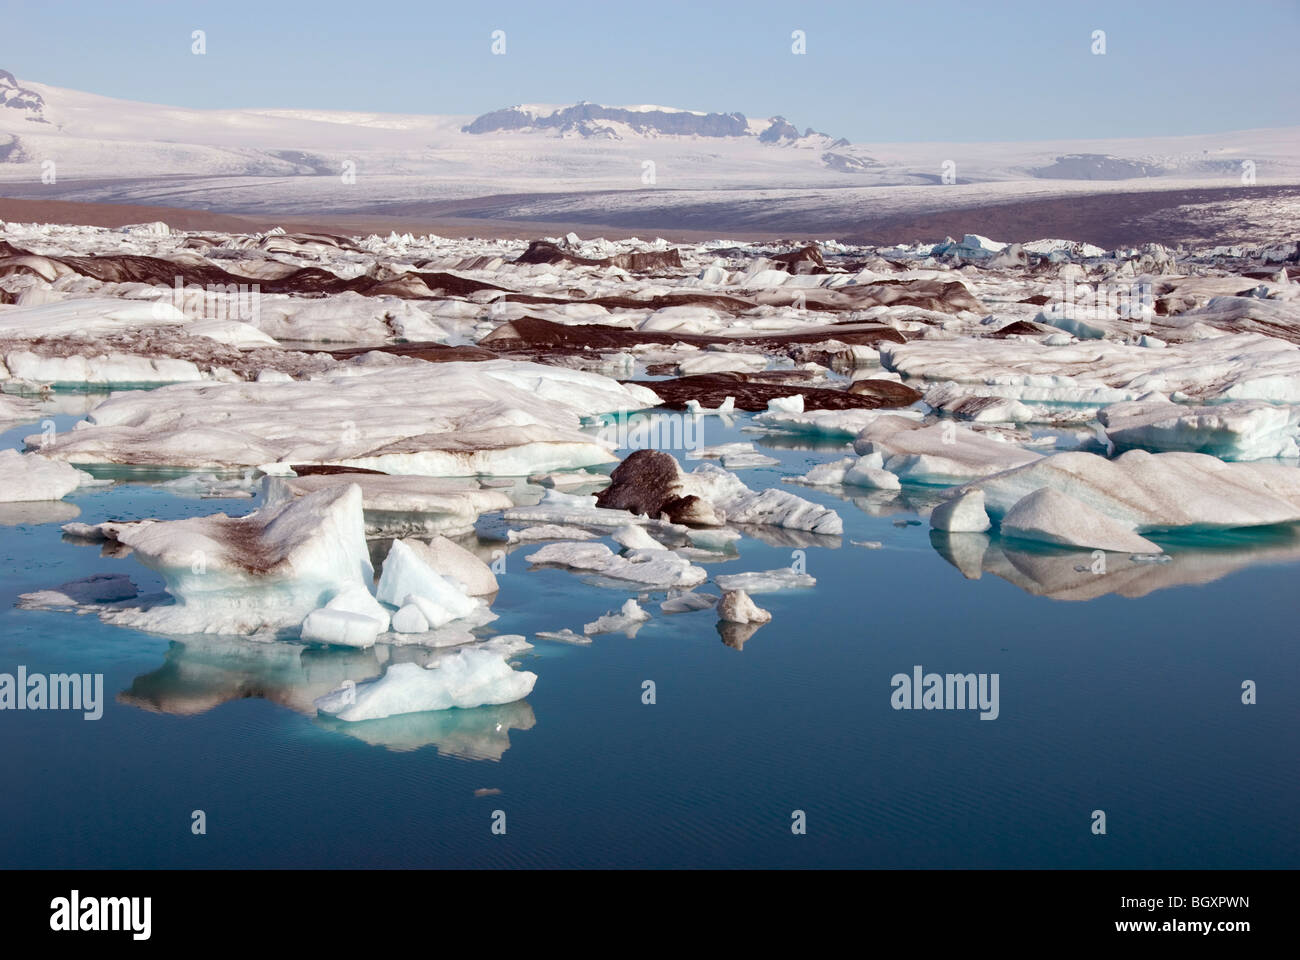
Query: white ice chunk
[(1147, 492), (1053, 517), (661, 568), (962, 514), (25, 478), (765, 581), (737, 607), (628, 621), (406, 578), (340, 628)]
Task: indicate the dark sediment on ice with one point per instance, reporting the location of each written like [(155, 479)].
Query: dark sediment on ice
[(534, 333), (753, 391), (431, 351), (648, 482), (649, 261), (330, 469)]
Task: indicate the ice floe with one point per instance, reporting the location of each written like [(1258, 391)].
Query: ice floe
[(453, 420), (1148, 493), (652, 568), (30, 477)]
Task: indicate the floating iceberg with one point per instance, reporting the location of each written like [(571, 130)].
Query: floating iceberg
[(27, 478), (1054, 517), (650, 482), (402, 506), (262, 572), (1246, 366), (940, 454), (1151, 492), (407, 580), (736, 607), (627, 621), (652, 568)]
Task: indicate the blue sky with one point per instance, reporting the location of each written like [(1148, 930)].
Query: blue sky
[(872, 72)]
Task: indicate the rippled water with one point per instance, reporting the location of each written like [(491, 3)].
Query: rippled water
[(1119, 692)]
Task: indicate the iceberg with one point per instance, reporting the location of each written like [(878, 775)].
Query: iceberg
[(940, 454), (397, 506), (1235, 430), (340, 628), (407, 579), (30, 477), (961, 514), (652, 568), (652, 483), (627, 621), (1152, 492), (736, 607), (1054, 517), (242, 575), (765, 581)]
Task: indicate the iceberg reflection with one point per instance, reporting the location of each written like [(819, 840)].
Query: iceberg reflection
[(1072, 574), (201, 673)]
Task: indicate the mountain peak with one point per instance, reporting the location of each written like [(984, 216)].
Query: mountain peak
[(594, 120), (17, 97)]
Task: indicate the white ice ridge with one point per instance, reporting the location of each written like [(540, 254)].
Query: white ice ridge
[(91, 317), (262, 572), (651, 568), (765, 581), (829, 423), (736, 503), (1236, 430), (495, 417), (1151, 492), (1246, 366), (402, 505), (941, 454), (473, 677), (25, 478)]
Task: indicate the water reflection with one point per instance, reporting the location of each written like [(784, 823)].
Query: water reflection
[(201, 673), (1065, 574)]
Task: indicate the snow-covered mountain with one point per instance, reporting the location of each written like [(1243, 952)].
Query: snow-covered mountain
[(593, 120), (65, 144), (29, 104)]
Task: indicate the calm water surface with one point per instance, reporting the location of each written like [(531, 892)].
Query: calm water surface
[(1127, 702)]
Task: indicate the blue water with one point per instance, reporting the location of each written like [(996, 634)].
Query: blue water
[(1131, 705)]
